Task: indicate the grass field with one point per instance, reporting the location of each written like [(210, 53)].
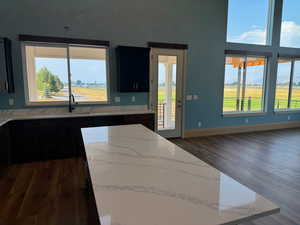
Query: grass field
[(256, 94), (82, 93), (91, 94)]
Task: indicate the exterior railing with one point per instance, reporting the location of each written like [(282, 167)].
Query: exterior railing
[(161, 109), (254, 103)]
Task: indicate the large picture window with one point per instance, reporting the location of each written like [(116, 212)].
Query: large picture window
[(244, 84), (288, 84), (56, 71), (249, 21)]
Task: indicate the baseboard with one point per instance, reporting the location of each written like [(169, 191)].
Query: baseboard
[(239, 129)]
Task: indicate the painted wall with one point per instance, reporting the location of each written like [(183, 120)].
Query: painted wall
[(199, 23)]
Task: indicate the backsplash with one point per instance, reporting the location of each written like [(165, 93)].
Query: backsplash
[(12, 113)]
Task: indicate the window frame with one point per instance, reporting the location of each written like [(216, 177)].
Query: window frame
[(67, 47), (245, 55), (291, 80)]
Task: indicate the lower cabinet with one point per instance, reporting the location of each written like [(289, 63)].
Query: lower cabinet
[(49, 139), (5, 140)]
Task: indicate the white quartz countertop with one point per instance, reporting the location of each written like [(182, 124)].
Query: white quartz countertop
[(23, 116), (140, 178)]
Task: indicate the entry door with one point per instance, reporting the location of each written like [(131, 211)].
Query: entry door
[(167, 72)]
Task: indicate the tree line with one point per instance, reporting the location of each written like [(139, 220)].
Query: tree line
[(48, 82)]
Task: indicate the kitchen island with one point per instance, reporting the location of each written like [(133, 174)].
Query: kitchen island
[(32, 136), (138, 177)]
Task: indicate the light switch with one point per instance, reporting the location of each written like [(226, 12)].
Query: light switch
[(11, 101), (117, 99), (189, 97)]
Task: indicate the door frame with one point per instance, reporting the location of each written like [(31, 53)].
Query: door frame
[(182, 89)]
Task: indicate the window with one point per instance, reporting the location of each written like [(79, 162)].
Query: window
[(249, 21), (55, 71), (288, 84), (290, 26), (244, 84)]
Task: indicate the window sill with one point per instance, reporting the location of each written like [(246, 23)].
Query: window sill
[(242, 114), (287, 111)]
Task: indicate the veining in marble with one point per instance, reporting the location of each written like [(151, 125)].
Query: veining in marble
[(139, 177)]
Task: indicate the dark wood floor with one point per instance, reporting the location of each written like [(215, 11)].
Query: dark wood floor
[(266, 162), (44, 193), (54, 192)]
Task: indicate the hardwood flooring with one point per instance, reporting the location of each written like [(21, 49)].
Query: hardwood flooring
[(54, 192), (45, 193), (266, 162)]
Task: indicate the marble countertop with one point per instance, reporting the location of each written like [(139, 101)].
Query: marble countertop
[(45, 114), (138, 177)]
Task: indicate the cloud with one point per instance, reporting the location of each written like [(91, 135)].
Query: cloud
[(256, 36), (290, 35)]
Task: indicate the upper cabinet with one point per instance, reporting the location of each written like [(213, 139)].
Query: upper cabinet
[(6, 70), (133, 69)]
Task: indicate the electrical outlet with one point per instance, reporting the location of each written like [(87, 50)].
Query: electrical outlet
[(189, 97), (11, 101), (199, 124), (246, 120), (133, 98), (117, 99)]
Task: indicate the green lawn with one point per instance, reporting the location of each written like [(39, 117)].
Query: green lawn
[(256, 94)]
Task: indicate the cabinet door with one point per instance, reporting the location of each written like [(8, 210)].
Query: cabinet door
[(3, 72), (133, 69), (142, 77), (5, 145), (126, 82)]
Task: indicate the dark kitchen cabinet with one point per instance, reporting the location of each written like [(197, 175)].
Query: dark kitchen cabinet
[(6, 68), (133, 69), (57, 138), (5, 144)]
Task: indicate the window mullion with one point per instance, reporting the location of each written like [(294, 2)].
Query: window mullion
[(238, 93), (270, 24), (291, 83), (244, 84), (69, 73)]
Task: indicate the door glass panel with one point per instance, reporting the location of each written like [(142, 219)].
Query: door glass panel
[(88, 74), (295, 100), (47, 73), (166, 102), (283, 82)]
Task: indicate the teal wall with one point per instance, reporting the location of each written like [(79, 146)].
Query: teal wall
[(199, 23)]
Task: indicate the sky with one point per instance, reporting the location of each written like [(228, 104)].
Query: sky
[(247, 23), (88, 71)]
